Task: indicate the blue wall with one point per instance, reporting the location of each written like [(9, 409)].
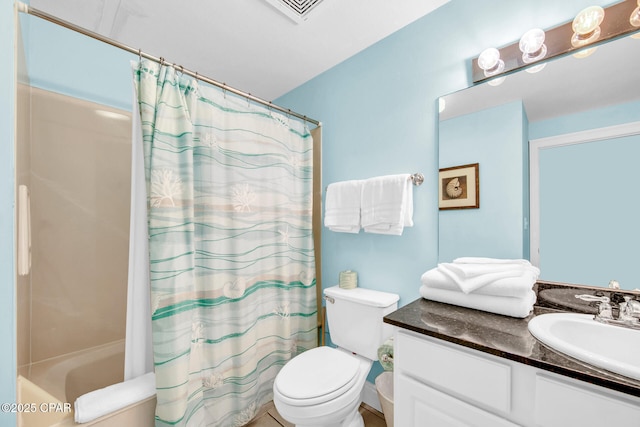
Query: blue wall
[(67, 62), (596, 188), (576, 198), (591, 119), (494, 138)]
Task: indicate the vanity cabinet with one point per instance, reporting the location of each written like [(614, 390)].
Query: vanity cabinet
[(441, 384)]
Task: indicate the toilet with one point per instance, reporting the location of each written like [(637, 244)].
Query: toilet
[(322, 387)]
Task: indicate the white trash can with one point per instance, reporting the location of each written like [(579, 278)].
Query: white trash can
[(384, 386)]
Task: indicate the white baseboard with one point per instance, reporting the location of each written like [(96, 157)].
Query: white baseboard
[(370, 396)]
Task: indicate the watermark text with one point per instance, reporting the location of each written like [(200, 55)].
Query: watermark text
[(55, 407)]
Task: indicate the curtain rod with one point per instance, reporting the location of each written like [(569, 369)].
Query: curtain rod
[(25, 8)]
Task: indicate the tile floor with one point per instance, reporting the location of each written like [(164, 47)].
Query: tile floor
[(269, 417)]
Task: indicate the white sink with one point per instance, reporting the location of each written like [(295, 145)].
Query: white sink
[(614, 348)]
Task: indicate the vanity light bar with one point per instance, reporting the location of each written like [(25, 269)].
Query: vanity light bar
[(618, 21)]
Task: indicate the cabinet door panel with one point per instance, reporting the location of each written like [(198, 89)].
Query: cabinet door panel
[(419, 405), (560, 404), (448, 367)]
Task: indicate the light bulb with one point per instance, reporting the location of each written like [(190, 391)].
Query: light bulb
[(532, 46), (489, 61), (634, 19), (586, 26)]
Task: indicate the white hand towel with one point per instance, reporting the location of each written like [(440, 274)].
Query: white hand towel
[(110, 399), (516, 287), (342, 206), (514, 307), (387, 204)]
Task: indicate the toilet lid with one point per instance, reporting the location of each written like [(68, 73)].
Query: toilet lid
[(316, 373)]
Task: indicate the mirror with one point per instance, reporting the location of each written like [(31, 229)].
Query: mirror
[(582, 118)]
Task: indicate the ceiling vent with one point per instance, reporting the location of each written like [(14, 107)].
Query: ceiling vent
[(296, 10)]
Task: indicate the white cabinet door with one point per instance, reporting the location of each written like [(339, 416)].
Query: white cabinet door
[(479, 379), (561, 403), (418, 405)]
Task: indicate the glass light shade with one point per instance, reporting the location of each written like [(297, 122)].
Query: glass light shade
[(588, 20), (496, 82), (586, 26), (585, 52), (535, 68), (489, 61), (532, 45), (634, 19)]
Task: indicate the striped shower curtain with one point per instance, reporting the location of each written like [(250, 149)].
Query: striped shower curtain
[(232, 267)]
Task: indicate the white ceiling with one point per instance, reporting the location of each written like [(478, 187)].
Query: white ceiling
[(247, 44)]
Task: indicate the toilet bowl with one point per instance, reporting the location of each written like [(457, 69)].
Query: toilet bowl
[(322, 387)]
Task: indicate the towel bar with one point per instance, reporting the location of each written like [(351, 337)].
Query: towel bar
[(417, 179)]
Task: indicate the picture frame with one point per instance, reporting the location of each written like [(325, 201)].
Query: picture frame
[(459, 187)]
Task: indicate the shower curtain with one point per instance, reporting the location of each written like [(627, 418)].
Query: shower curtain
[(138, 354), (232, 265)]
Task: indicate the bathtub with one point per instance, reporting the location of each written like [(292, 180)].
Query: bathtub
[(53, 386)]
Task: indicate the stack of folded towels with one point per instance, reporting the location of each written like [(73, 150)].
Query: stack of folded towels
[(382, 205), (501, 286)]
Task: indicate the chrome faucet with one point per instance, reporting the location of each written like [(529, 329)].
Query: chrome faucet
[(628, 313), (629, 310)]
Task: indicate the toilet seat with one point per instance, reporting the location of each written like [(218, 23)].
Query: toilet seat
[(317, 376)]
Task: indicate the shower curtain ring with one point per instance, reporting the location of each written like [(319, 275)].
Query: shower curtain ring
[(139, 55)]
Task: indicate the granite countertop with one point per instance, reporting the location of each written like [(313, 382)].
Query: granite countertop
[(508, 337)]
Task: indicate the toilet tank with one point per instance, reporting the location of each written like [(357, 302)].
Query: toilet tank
[(355, 318)]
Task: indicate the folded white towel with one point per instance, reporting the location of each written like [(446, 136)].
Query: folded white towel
[(110, 399), (508, 306), (508, 287), (471, 277), (482, 260), (387, 204), (467, 271), (342, 206)]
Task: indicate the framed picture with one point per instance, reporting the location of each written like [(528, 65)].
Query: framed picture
[(459, 187)]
